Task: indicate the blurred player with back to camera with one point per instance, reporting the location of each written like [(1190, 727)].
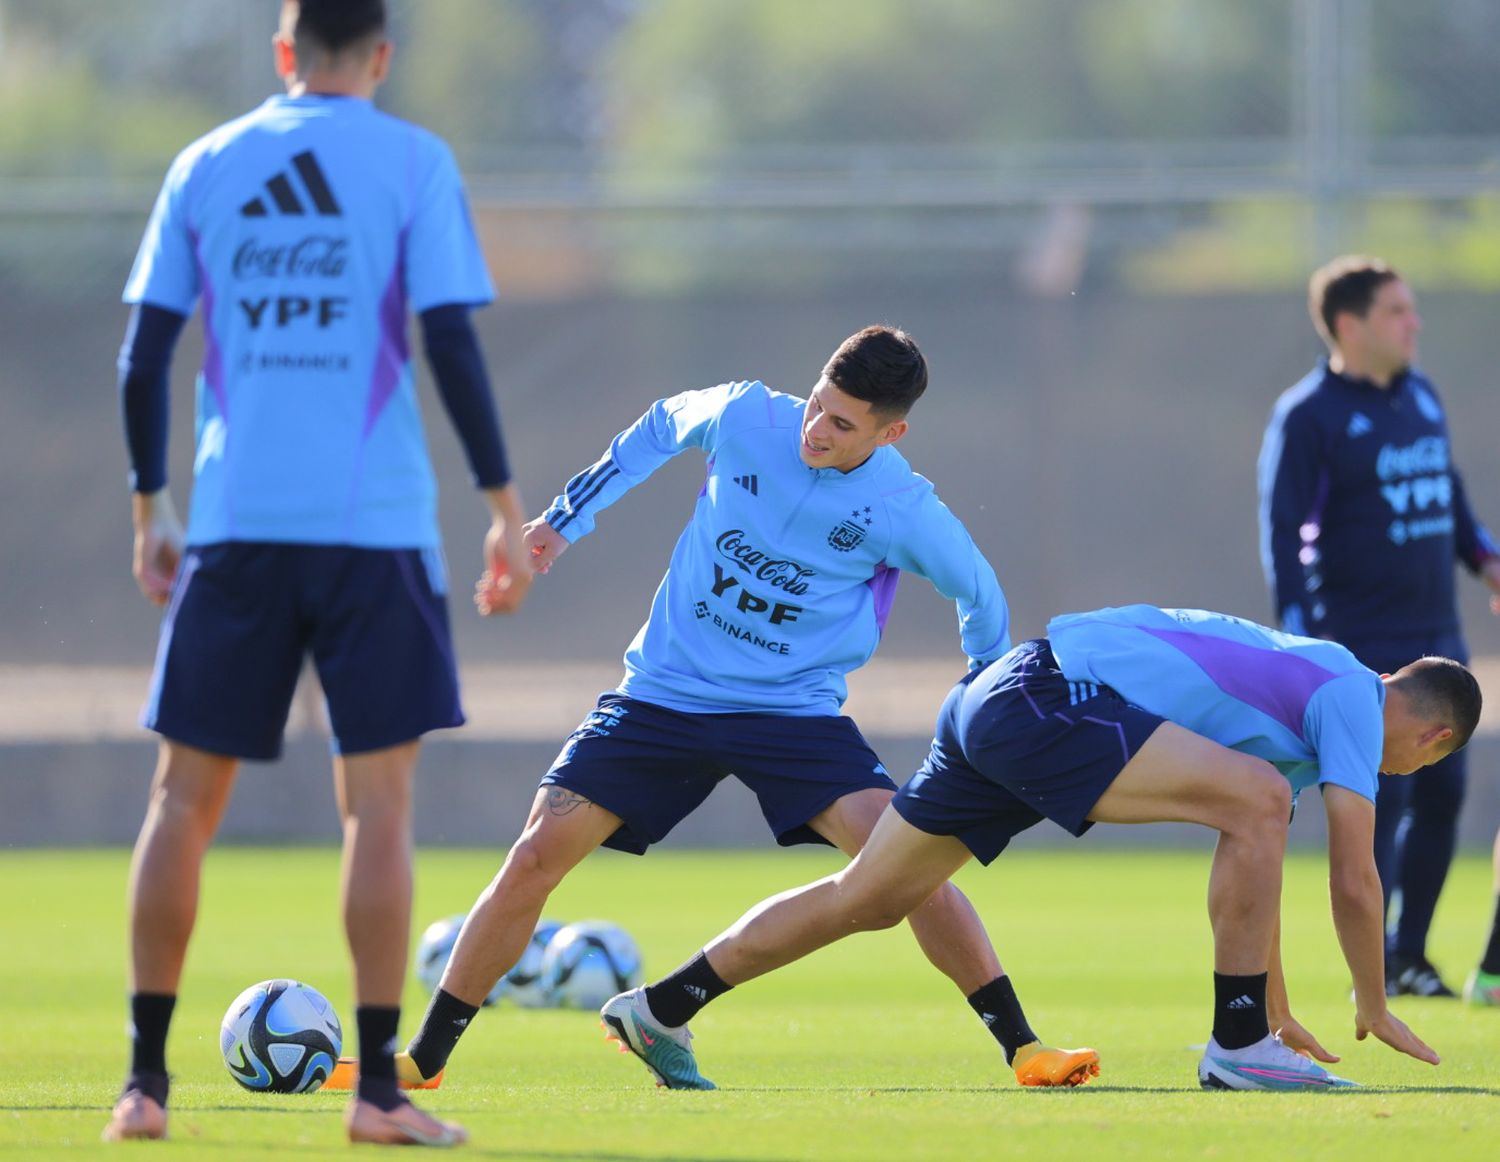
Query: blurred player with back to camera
[(309, 227), (1141, 715), (778, 587), (1362, 516)]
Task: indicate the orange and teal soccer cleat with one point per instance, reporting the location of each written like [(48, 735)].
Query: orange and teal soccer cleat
[(667, 1052), (1482, 988), (1038, 1064), (346, 1073)]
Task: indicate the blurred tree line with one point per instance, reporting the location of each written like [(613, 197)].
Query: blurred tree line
[(643, 95), (116, 86)]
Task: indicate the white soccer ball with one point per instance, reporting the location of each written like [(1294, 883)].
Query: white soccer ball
[(433, 951), (281, 1036), (588, 962), (524, 982)]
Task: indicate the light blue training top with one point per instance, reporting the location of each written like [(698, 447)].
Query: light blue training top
[(782, 581), (309, 227), (1306, 706)]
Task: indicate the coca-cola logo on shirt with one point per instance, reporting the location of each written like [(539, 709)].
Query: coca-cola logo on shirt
[(315, 256), (778, 572)]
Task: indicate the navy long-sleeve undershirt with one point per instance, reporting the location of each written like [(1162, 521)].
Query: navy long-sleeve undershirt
[(145, 402), (464, 386)]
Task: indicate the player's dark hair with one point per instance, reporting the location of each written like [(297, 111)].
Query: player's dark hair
[(883, 367), (331, 26), (1347, 285), (1443, 691)]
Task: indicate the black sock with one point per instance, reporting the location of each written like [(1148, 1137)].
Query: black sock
[(1239, 1010), (442, 1025), (1491, 961), (154, 1085), (377, 1026), (675, 1000), (150, 1017), (1000, 1010)]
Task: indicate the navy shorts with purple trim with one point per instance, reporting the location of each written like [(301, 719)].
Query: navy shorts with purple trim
[(1017, 743), (653, 767), (243, 615)]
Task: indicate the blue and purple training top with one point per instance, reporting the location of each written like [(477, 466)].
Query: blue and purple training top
[(782, 581), (310, 228), (1306, 706)]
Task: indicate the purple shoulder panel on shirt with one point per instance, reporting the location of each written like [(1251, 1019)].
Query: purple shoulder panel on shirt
[(1277, 683), (883, 587)]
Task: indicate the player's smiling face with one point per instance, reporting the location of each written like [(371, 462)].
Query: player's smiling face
[(839, 431)]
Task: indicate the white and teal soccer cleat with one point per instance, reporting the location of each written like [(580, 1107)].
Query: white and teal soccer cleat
[(1482, 988), (1268, 1064), (667, 1052)]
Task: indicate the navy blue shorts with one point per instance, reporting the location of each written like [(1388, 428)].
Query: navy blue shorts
[(243, 615), (653, 767), (1017, 743)]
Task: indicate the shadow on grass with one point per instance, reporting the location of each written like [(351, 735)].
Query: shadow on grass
[(1043, 1093)]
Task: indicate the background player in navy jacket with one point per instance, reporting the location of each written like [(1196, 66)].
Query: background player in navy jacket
[(1362, 515), (307, 229)]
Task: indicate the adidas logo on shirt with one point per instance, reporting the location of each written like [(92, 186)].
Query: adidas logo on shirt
[(1359, 425), (1241, 1002), (284, 195), (750, 484)]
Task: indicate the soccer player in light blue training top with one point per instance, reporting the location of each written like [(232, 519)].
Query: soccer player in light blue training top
[(778, 587), (308, 228), (1141, 715)]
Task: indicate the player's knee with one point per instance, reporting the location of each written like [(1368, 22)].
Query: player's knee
[(871, 913), (1267, 798), (528, 869)]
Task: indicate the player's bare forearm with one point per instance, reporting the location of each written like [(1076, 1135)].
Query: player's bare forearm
[(157, 548), (1354, 891), (507, 568), (1359, 917), (1279, 1010)]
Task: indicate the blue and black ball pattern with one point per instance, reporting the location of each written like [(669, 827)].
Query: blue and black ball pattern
[(266, 1058)]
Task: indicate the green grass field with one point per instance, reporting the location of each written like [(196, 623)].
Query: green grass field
[(861, 1052)]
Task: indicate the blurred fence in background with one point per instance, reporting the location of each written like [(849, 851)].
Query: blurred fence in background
[(1096, 215)]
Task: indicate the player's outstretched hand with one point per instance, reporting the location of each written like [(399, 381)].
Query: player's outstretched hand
[(1394, 1033), (1299, 1040), (507, 575), (544, 544), (158, 545)]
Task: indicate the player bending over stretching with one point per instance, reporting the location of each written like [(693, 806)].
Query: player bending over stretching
[(1139, 715)]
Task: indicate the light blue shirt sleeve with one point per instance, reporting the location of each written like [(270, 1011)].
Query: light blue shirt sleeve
[(444, 264), (688, 420), (945, 554), (165, 273), (1345, 725)]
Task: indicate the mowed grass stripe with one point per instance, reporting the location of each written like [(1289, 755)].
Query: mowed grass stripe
[(859, 1052)]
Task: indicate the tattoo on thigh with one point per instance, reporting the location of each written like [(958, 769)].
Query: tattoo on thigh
[(561, 801)]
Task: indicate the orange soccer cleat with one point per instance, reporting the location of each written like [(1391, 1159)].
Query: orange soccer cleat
[(1038, 1064), (408, 1076)]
